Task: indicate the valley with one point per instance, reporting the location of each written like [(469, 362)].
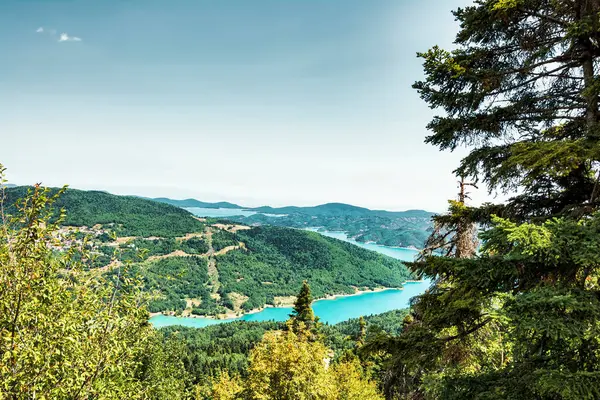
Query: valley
[(207, 267)]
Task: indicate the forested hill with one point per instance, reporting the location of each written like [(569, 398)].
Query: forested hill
[(204, 267), (277, 260), (131, 216), (230, 269)]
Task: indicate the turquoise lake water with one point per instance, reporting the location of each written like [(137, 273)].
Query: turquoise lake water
[(401, 253), (332, 310)]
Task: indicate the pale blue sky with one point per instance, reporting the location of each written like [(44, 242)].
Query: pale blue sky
[(254, 101)]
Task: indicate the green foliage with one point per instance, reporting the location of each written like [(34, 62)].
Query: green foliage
[(404, 229), (302, 320), (519, 320), (177, 279), (65, 334), (274, 262), (302, 311), (226, 347), (284, 366), (223, 347), (194, 246), (389, 322), (128, 216), (138, 250), (523, 67), (278, 260), (222, 239)]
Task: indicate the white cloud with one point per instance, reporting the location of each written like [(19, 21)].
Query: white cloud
[(66, 38), (63, 37)]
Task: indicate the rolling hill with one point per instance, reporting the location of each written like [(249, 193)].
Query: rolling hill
[(208, 268)]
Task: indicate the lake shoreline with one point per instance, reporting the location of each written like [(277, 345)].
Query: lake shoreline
[(351, 239), (235, 315), (287, 301)]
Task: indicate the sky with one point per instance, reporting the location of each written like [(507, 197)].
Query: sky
[(278, 102)]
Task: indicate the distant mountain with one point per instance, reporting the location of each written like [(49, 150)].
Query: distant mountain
[(390, 228), (328, 209), (9, 185), (323, 209), (194, 203), (341, 209)]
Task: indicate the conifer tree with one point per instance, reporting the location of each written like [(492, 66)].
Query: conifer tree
[(455, 233), (303, 317), (521, 319), (521, 90), (362, 331)]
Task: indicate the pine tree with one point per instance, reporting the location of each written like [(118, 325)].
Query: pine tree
[(303, 317), (455, 233), (521, 89), (362, 331), (521, 319)]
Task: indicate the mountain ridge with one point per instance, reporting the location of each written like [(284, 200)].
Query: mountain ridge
[(331, 208)]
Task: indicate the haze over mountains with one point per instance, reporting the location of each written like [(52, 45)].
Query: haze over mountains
[(322, 209), (390, 228)]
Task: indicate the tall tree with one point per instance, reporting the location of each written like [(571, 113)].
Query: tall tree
[(521, 89), (455, 233), (303, 317), (519, 320), (362, 331)]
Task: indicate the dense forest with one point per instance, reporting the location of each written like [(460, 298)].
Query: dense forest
[(409, 229), (278, 259), (227, 346), (273, 262)]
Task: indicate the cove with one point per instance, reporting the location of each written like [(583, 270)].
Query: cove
[(329, 311), (400, 253)]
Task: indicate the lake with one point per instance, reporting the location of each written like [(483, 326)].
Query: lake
[(328, 310), (225, 212), (400, 253)]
